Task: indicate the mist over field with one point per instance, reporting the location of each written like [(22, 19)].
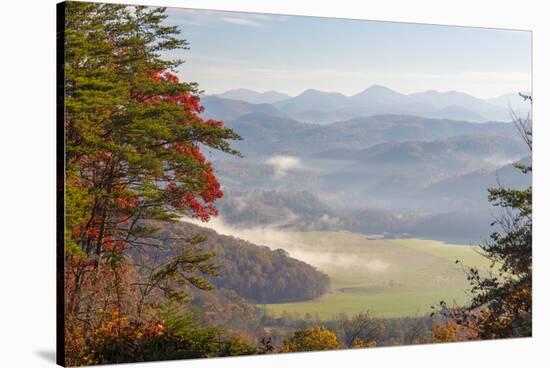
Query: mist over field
[(275, 238)]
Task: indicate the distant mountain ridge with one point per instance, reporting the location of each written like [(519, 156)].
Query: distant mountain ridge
[(312, 99), (479, 146), (314, 106), (271, 134), (226, 109)]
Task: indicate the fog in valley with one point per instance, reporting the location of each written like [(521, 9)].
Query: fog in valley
[(387, 175), (323, 254)]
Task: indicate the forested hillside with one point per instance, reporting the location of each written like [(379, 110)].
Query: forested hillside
[(282, 134), (254, 272)]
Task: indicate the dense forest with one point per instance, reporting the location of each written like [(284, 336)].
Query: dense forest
[(141, 285)]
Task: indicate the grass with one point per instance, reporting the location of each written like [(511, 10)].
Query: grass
[(389, 278)]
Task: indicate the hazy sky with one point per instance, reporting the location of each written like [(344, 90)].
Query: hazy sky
[(291, 54)]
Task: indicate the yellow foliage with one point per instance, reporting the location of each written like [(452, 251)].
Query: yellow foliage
[(450, 331), (311, 339), (358, 343)]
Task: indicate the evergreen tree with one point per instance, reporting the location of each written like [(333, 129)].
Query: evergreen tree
[(133, 140), (502, 301)]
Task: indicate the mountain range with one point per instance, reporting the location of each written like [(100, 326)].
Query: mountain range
[(375, 162), (267, 134), (314, 106)]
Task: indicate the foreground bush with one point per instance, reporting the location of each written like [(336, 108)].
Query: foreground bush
[(311, 339)]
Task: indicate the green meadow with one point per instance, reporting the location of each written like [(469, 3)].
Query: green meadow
[(389, 277)]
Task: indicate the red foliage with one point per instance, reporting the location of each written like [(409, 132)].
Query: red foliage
[(113, 205), (190, 103), (114, 245)]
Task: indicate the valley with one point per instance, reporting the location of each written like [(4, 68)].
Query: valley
[(402, 277), (360, 187), (388, 278)]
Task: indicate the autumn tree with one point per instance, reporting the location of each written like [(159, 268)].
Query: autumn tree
[(133, 140), (311, 339), (450, 331), (361, 330), (133, 130)]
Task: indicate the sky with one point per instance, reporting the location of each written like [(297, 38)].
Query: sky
[(290, 54)]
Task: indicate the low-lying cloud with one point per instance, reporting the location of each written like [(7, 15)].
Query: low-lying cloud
[(283, 164), (275, 238)]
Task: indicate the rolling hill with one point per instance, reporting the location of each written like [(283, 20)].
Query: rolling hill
[(256, 273), (472, 186), (265, 132), (468, 147), (456, 112)]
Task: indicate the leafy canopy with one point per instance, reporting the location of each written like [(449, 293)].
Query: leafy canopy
[(133, 131)]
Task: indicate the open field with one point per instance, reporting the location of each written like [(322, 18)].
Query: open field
[(390, 278)]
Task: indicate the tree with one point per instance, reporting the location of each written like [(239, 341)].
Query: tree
[(502, 302), (133, 140), (451, 331), (361, 330), (311, 339), (133, 132)]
